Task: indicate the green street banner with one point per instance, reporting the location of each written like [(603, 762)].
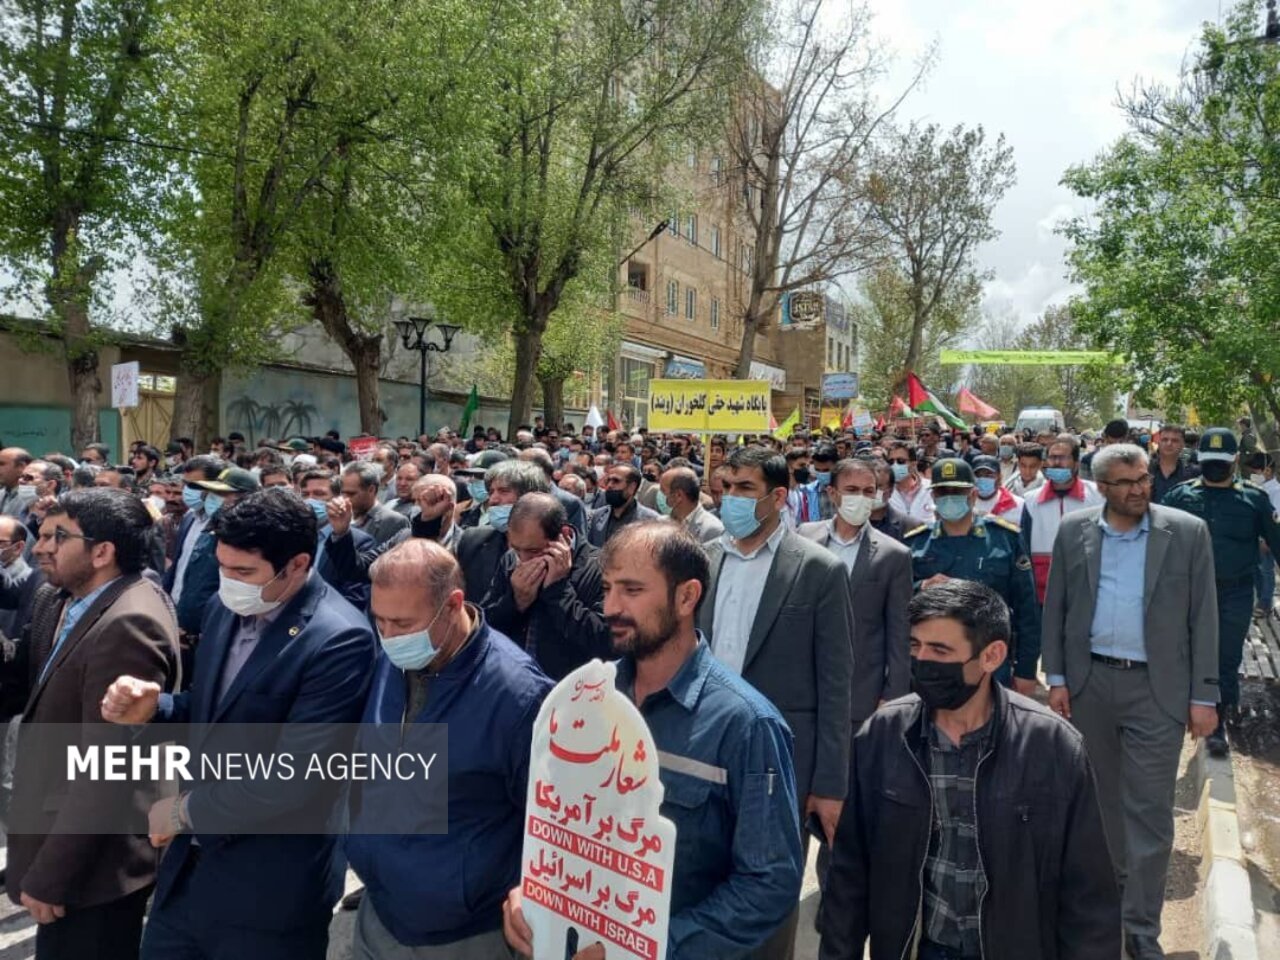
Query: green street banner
[(1032, 358)]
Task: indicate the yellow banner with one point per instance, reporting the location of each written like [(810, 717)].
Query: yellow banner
[(1032, 358), (709, 406)]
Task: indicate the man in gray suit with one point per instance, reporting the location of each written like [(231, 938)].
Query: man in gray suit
[(1131, 655), (879, 584), (681, 500), (778, 613), (360, 484)]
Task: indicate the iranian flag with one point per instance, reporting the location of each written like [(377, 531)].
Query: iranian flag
[(924, 400)]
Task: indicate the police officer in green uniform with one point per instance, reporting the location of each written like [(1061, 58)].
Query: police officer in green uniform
[(1238, 515), (962, 546)]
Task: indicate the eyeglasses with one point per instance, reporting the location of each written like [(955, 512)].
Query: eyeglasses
[(61, 536), (1125, 486)]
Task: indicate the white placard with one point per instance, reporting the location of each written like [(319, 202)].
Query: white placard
[(124, 384), (597, 859)]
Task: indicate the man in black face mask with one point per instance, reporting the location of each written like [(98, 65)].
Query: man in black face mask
[(945, 812), (1239, 515)]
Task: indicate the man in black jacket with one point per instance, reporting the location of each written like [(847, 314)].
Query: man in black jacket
[(548, 596), (972, 823), (480, 550)]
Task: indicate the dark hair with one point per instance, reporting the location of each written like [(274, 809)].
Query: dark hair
[(975, 606), (100, 448), (271, 470), (208, 466), (150, 452), (674, 550), (321, 473), (275, 523), (62, 462), (795, 453), (825, 451), (1116, 430), (633, 475), (849, 465), (1030, 450), (109, 515), (544, 510), (770, 463), (1173, 428)]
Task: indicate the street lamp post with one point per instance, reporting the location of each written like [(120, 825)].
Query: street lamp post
[(413, 334)]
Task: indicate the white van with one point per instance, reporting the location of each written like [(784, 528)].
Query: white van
[(1040, 419)]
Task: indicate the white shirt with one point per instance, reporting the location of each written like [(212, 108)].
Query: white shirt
[(920, 506), (738, 591), (846, 550), (1272, 487), (184, 558)]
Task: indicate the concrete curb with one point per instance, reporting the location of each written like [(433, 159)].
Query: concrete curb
[(1229, 926)]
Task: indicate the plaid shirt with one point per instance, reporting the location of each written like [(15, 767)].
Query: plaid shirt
[(954, 880)]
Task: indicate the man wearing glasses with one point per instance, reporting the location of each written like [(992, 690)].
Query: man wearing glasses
[(86, 892), (1064, 492), (1131, 656)]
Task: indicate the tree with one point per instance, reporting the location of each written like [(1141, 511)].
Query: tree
[(583, 105), (801, 128), (933, 193), (79, 165), (1178, 260), (276, 95), (885, 319)]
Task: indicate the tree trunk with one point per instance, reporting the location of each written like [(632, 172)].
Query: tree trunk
[(747, 352), (192, 414), (553, 401), (528, 352), (82, 369), (328, 304)]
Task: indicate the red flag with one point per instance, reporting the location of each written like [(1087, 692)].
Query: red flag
[(611, 422), (969, 403), (898, 408), (847, 421), (917, 395)]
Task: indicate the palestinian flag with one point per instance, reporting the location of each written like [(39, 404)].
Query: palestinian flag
[(924, 400), (898, 408)]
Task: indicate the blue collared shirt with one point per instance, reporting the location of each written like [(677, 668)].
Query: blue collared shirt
[(75, 610), (1119, 621), (725, 759)]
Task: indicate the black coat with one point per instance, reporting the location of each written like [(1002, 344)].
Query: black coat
[(1052, 891), (480, 552), (564, 628)]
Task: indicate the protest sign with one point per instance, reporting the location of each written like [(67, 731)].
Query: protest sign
[(362, 447), (709, 406), (597, 858), (124, 384)]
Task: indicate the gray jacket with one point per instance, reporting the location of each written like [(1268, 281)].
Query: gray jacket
[(382, 523), (1180, 599), (704, 527), (800, 656), (880, 586)]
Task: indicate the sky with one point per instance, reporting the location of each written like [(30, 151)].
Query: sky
[(1046, 74)]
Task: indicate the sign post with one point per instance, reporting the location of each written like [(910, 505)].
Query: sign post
[(124, 384), (597, 858)]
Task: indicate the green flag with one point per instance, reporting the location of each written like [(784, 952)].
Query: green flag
[(473, 404), (786, 426)]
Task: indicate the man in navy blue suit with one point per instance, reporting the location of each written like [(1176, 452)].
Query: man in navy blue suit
[(281, 647)]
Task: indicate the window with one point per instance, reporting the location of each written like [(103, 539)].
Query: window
[(673, 297), (717, 169), (715, 240), (831, 352), (636, 375), (637, 275), (715, 314), (691, 304), (691, 228), (673, 223)]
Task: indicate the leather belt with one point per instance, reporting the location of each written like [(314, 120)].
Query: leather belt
[(1120, 663)]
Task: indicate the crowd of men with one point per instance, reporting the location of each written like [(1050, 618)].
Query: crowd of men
[(835, 640)]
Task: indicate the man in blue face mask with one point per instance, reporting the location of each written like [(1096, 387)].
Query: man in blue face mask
[(960, 545), (194, 471), (441, 663), (343, 548), (778, 613)]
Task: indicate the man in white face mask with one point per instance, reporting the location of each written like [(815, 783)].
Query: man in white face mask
[(880, 582), (282, 647)]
